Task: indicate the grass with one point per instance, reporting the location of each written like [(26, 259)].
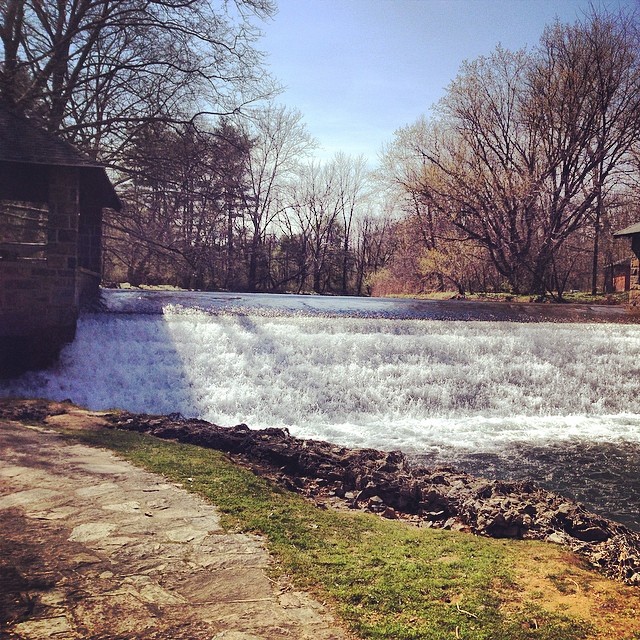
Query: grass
[(388, 580), (575, 297)]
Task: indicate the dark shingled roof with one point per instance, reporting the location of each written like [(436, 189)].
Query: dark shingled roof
[(629, 231), (21, 141)]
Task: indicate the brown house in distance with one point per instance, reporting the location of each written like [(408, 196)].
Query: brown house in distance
[(633, 232), (617, 276), (51, 201)]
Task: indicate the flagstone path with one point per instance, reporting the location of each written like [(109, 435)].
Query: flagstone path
[(93, 547)]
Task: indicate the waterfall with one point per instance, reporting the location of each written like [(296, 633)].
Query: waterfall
[(444, 390)]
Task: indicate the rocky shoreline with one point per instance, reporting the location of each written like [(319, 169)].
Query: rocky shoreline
[(387, 483)]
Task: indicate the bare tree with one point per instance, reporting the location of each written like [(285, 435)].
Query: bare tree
[(185, 188), (316, 205), (527, 144), (95, 69), (374, 247), (585, 102), (487, 177), (352, 185), (279, 142)]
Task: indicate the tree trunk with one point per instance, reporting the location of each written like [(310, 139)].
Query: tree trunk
[(252, 276), (596, 242), (594, 269)]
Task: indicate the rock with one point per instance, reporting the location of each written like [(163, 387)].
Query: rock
[(591, 534), (556, 537), (499, 524), (565, 509), (484, 491)]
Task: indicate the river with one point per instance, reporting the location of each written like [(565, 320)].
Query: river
[(505, 391)]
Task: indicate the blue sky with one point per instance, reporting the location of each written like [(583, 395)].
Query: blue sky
[(360, 69)]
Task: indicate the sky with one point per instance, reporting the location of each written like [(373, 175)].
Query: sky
[(358, 70)]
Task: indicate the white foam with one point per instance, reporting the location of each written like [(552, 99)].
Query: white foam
[(409, 384)]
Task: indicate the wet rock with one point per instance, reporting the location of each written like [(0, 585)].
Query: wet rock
[(556, 538), (590, 534), (434, 515)]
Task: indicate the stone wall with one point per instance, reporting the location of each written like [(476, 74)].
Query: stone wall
[(39, 296), (89, 272), (634, 283)]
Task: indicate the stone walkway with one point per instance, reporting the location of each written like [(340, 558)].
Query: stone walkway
[(93, 547)]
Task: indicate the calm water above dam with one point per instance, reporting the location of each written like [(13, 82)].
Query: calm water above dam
[(499, 390)]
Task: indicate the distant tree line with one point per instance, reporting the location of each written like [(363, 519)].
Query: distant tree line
[(530, 161), (528, 164), (240, 206)]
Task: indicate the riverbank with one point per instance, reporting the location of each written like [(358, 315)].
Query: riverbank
[(570, 297), (385, 578), (387, 483)]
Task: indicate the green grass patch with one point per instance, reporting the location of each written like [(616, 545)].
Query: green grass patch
[(576, 297), (385, 578)]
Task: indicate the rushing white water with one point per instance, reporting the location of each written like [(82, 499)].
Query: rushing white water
[(558, 402), (416, 385)]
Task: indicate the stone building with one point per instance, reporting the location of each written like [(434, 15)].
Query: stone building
[(633, 232), (51, 201)]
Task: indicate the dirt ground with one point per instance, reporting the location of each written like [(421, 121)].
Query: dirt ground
[(92, 547)]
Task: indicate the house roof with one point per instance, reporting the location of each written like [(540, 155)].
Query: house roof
[(23, 142), (629, 231)]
